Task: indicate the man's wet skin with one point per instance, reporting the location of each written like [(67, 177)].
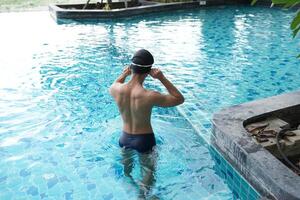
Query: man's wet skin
[(135, 104)]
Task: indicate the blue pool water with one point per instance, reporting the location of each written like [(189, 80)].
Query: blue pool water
[(59, 128)]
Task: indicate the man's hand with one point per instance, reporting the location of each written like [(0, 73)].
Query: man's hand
[(127, 71), (121, 79), (156, 73), (174, 97)]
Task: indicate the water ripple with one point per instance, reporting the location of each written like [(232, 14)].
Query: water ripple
[(59, 127)]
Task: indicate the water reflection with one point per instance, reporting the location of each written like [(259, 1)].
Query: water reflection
[(148, 166)]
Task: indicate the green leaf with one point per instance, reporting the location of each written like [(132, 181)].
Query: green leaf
[(286, 3), (253, 2), (279, 1), (296, 21), (295, 32), (291, 3)]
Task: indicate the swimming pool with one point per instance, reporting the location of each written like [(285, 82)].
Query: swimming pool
[(59, 127)]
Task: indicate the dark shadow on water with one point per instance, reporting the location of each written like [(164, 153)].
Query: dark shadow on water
[(147, 163)]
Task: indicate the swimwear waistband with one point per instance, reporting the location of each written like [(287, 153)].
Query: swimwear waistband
[(138, 134)]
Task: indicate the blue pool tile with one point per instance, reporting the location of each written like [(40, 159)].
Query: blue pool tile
[(244, 182), (253, 92), (234, 181), (236, 185), (117, 170), (34, 158), (250, 98), (218, 160), (82, 175), (3, 179), (236, 178), (64, 179), (253, 196), (108, 196), (223, 174), (43, 195), (52, 182), (32, 190), (6, 195), (235, 194), (189, 114), (223, 165), (244, 188), (280, 91), (230, 184), (207, 125), (24, 173), (243, 196), (191, 109), (91, 186), (69, 195), (288, 74), (229, 173), (273, 72), (60, 145), (179, 172), (184, 91)]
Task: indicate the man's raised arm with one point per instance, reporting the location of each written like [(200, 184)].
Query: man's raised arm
[(120, 80), (174, 97)]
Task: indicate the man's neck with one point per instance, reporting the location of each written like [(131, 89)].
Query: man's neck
[(138, 78)]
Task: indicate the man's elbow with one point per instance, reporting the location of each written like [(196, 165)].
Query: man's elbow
[(180, 100)]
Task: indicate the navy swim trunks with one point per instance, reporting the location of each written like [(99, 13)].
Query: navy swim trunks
[(141, 142)]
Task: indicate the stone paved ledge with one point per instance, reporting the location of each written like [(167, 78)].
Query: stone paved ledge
[(58, 13), (266, 173)]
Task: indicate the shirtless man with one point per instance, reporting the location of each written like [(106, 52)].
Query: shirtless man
[(135, 104)]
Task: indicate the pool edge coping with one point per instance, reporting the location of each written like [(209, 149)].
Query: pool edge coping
[(58, 13)]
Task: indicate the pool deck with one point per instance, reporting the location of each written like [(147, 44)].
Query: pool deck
[(266, 173)]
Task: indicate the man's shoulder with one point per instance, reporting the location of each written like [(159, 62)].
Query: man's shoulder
[(120, 85), (152, 93), (119, 88)]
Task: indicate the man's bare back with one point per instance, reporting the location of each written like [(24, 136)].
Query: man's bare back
[(135, 103)]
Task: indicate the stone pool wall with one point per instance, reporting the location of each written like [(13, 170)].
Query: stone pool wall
[(265, 172)]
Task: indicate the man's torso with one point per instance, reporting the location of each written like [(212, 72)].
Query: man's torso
[(135, 106)]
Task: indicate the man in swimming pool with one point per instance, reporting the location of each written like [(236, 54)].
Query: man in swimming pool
[(135, 104)]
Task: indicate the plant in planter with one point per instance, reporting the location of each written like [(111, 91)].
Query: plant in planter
[(109, 5), (86, 5), (106, 7), (171, 1)]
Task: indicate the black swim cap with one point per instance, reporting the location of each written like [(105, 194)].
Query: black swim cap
[(142, 61)]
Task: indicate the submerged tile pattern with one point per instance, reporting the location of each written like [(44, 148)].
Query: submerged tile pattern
[(59, 129), (240, 187)]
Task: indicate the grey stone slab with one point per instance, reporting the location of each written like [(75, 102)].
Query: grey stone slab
[(58, 12), (265, 172)]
